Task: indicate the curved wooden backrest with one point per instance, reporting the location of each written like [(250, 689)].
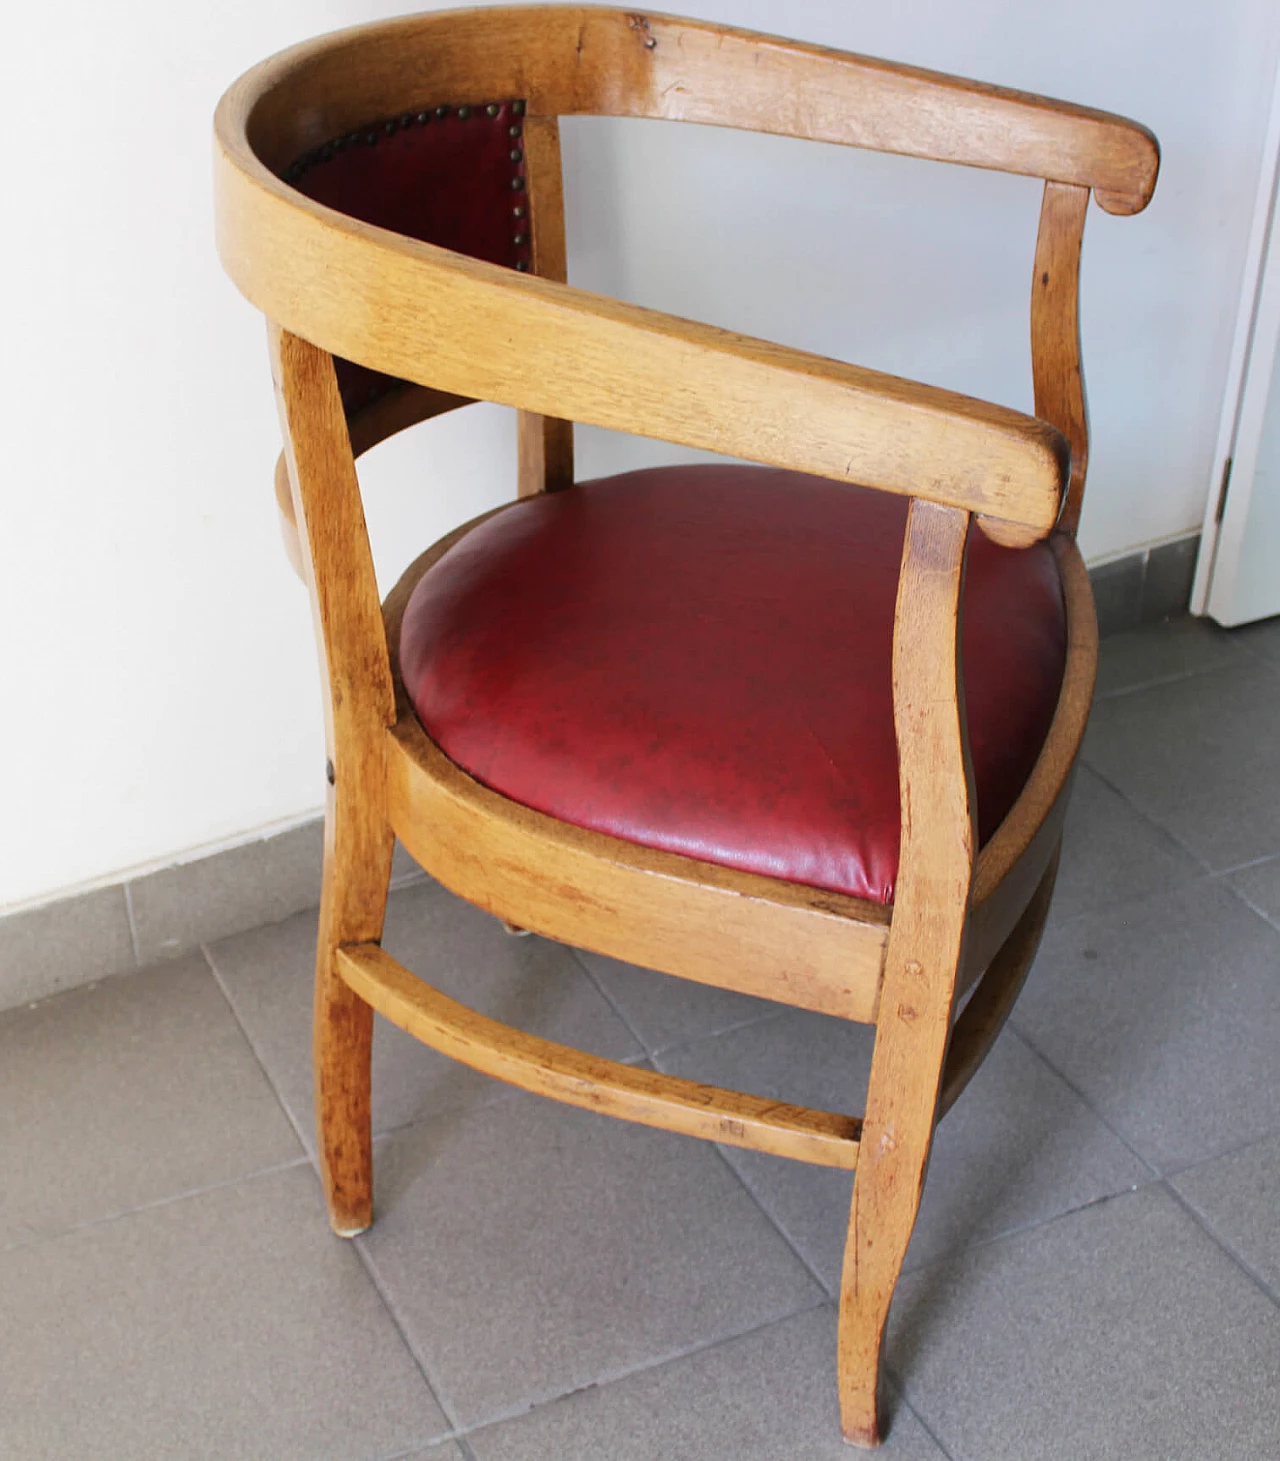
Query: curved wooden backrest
[(567, 60), (430, 316)]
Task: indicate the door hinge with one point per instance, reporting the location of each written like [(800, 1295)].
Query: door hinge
[(1222, 491)]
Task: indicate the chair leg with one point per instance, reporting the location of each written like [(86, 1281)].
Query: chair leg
[(352, 907), (886, 1198), (893, 1155)]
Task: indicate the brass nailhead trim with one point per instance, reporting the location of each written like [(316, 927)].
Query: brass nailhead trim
[(371, 133)]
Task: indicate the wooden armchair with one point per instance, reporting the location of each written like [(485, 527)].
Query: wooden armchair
[(706, 719)]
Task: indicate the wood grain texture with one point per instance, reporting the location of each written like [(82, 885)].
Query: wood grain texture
[(568, 60), (458, 330), (359, 705), (544, 444), (406, 406), (1055, 331), (1012, 863), (926, 942), (453, 324), (549, 1069)]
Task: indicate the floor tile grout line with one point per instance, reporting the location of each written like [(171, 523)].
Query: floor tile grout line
[(1175, 678), (1267, 918), (1030, 1226), (1202, 1223), (1252, 862), (428, 1446), (212, 964), (1146, 817), (168, 1200), (309, 1157), (760, 1206), (369, 1263), (642, 1367), (1106, 910), (774, 1223), (1129, 1146), (1243, 1146), (609, 1000), (1257, 655), (678, 1046), (900, 1390), (127, 892), (653, 1051)]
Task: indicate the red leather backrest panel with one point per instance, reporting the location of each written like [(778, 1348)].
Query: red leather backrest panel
[(452, 176)]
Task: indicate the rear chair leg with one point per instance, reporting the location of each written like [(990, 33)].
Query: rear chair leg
[(352, 907)]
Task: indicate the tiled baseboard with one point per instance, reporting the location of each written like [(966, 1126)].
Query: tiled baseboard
[(164, 914), (1146, 586)]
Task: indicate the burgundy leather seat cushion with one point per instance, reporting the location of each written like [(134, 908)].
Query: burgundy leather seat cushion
[(698, 659)]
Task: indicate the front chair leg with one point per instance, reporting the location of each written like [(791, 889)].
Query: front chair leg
[(886, 1198)]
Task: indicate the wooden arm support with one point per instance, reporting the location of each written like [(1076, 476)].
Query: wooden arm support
[(475, 330)]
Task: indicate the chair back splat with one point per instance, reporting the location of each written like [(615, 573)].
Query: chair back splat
[(803, 729)]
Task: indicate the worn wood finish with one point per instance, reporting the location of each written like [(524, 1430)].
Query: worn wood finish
[(590, 1081), (449, 322), (401, 408), (460, 330), (926, 942), (568, 60), (982, 1019), (289, 534), (359, 705), (1055, 331), (1009, 868), (544, 443)]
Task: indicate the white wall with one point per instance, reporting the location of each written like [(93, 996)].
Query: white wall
[(159, 689)]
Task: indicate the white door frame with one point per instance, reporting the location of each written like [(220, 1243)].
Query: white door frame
[(1252, 361)]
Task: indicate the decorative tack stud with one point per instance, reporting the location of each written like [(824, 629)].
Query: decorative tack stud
[(492, 109), (463, 113), (520, 240), (517, 185), (407, 120), (517, 109), (518, 211), (517, 155), (522, 265), (371, 138), (513, 130), (442, 112), (423, 118)]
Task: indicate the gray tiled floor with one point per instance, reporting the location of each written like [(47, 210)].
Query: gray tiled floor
[(1095, 1273)]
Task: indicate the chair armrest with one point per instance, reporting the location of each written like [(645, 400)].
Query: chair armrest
[(474, 329)]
